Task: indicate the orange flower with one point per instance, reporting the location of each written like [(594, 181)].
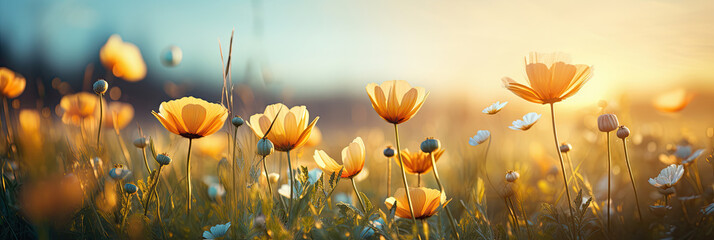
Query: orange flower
[(418, 162), (400, 103), (352, 158), (672, 101), (191, 117), (425, 201), (551, 79), (11, 83), (123, 59), (79, 107), (123, 113), (212, 146), (291, 129)]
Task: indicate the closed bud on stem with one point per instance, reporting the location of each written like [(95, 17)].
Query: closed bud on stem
[(607, 122), (100, 86), (565, 147), (265, 147), (141, 142), (163, 159), (389, 152), (430, 145), (130, 188), (623, 132), (237, 121), (512, 176)]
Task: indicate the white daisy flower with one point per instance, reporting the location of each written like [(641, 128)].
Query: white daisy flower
[(217, 231), (480, 137), (668, 176), (528, 120), (494, 108)]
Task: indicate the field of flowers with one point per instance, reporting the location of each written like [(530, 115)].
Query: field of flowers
[(87, 169)]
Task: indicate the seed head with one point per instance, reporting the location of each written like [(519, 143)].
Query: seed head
[(265, 147), (130, 188), (163, 159), (430, 145), (512, 176), (141, 142), (607, 122), (100, 86), (237, 121), (565, 147), (389, 152), (623, 132)]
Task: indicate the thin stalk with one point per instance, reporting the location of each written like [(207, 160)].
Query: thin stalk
[(126, 211), (152, 191), (525, 217), (233, 172), (290, 183), (515, 214), (389, 176), (511, 215), (418, 179), (361, 203), (188, 178), (572, 170), (146, 162), (8, 125), (404, 175), (267, 178), (696, 176), (632, 179), (101, 115), (609, 176), (562, 165), (452, 220)]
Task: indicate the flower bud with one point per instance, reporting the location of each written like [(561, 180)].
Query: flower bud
[(512, 176), (273, 177), (237, 121), (430, 145), (623, 132), (565, 147), (162, 159), (141, 142), (100, 86), (607, 122), (265, 147), (130, 188), (119, 172), (389, 152)]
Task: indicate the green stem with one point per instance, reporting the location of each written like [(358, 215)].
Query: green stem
[(572, 170), (290, 183), (146, 161), (188, 177), (515, 215), (511, 216), (525, 217), (632, 179), (418, 179), (389, 177), (233, 172), (452, 220), (267, 178), (8, 125), (562, 166), (101, 115), (609, 176), (126, 210), (361, 203), (152, 191), (404, 175)]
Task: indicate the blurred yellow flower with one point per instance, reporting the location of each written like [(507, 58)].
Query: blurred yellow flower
[(352, 158), (212, 146), (29, 120), (551, 79), (400, 103), (123, 59), (79, 107), (672, 101), (118, 113), (291, 129), (418, 162), (425, 201), (11, 83), (191, 117), (315, 138)]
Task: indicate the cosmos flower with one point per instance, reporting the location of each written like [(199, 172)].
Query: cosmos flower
[(494, 108), (528, 121), (352, 157), (11, 83), (78, 107), (191, 117), (217, 231), (291, 128), (672, 101), (480, 137), (551, 79), (418, 162), (123, 59), (396, 101), (425, 202), (668, 176)]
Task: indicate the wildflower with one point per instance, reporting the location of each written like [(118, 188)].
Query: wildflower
[(623, 132), (273, 177), (163, 159), (494, 108), (11, 83), (551, 79), (607, 122), (118, 115), (78, 107), (191, 117), (265, 147), (141, 142), (217, 231), (668, 177), (389, 152), (290, 130), (361, 176), (565, 147), (284, 191), (425, 201), (691, 158), (672, 101), (212, 146), (400, 103), (352, 157), (430, 145), (123, 59), (259, 221), (418, 162), (119, 172), (480, 137), (528, 121), (216, 190), (512, 176), (237, 121), (100, 86), (130, 188)]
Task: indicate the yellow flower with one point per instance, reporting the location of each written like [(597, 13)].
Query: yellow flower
[(396, 101), (291, 129), (551, 79), (673, 101), (212, 146), (119, 113), (123, 59), (424, 200), (418, 162), (191, 117), (315, 138), (11, 83), (79, 107), (352, 158)]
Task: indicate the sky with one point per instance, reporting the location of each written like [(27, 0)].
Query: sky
[(453, 48)]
